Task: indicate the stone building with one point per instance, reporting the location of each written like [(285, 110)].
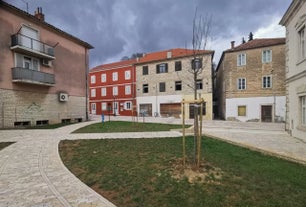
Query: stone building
[(163, 81), (251, 81), (295, 21), (43, 71)]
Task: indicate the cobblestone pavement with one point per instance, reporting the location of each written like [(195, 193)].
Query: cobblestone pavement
[(32, 173)]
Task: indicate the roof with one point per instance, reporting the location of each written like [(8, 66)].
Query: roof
[(171, 54), (292, 9), (24, 14), (121, 64), (258, 43)]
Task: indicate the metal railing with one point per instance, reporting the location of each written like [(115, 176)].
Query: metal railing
[(28, 75), (33, 44)]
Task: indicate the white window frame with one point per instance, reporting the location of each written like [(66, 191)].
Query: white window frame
[(92, 79), (93, 92), (241, 59), (128, 90), (128, 105), (31, 63), (103, 77), (115, 91), (115, 76), (302, 43), (103, 92), (104, 106), (267, 81), (127, 75), (266, 56), (240, 85), (303, 110)]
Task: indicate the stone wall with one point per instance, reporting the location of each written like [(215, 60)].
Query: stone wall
[(20, 106)]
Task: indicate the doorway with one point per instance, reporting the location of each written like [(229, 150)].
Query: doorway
[(266, 113)]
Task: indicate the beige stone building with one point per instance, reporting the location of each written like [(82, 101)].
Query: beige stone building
[(251, 81), (163, 81), (295, 21), (42, 71)]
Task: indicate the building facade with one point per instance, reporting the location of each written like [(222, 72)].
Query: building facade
[(295, 21), (112, 89), (250, 81), (163, 80), (43, 71)]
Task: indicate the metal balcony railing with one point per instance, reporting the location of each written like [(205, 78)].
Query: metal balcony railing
[(32, 76), (40, 49)]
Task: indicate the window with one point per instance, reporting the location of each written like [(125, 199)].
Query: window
[(196, 63), (145, 88), (103, 91), (145, 70), (178, 85), (266, 81), (93, 92), (178, 66), (103, 78), (128, 105), (127, 90), (104, 106), (302, 45), (115, 90), (127, 75), (115, 76), (241, 110), (93, 79), (199, 84), (241, 59), (266, 56), (30, 63), (241, 83), (162, 87), (162, 68), (303, 106)]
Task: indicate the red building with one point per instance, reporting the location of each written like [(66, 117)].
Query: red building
[(112, 89)]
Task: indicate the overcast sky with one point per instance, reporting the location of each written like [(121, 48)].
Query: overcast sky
[(118, 28)]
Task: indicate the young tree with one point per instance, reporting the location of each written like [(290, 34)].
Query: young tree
[(200, 35)]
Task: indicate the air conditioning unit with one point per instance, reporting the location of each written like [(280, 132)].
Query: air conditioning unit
[(63, 97), (46, 62)]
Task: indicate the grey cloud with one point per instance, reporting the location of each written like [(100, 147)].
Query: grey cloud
[(121, 27)]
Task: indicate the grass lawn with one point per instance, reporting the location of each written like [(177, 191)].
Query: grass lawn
[(5, 144), (141, 172), (124, 126)]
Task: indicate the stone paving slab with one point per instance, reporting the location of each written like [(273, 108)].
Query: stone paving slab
[(32, 173)]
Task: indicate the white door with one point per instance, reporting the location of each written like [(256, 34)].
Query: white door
[(30, 38), (115, 108), (93, 108)]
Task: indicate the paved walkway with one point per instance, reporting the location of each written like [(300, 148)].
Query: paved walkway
[(32, 174)]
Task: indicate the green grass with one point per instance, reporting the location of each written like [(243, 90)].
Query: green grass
[(137, 172), (5, 144), (124, 126)]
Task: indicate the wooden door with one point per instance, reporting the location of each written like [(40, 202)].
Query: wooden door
[(266, 113)]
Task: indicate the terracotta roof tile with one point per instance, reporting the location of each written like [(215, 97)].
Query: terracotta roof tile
[(258, 43), (113, 65), (175, 53)]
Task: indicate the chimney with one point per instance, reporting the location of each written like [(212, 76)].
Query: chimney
[(232, 44), (39, 15), (250, 36), (169, 54)]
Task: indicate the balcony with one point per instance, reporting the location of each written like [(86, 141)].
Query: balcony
[(26, 45), (25, 75)]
